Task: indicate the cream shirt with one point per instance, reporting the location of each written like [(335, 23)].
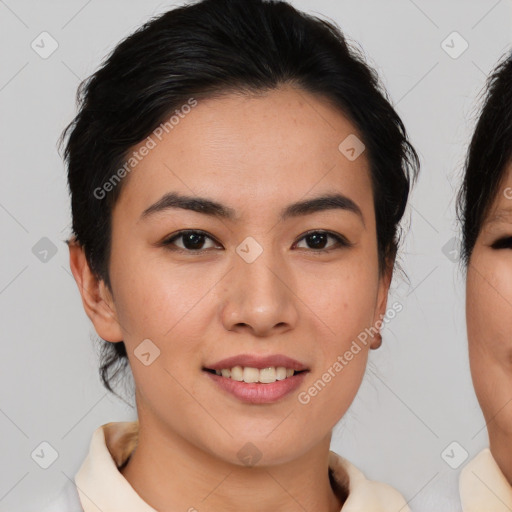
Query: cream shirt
[(100, 486), (483, 487)]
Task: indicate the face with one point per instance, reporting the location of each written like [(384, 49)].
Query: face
[(489, 315), (251, 278)]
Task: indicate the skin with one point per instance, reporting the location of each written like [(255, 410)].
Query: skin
[(489, 323), (488, 312), (256, 155)]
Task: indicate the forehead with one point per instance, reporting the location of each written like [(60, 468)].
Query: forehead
[(268, 147)]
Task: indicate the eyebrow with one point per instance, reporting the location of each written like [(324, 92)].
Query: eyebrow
[(499, 215), (173, 200)]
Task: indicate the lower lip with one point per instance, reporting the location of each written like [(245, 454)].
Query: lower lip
[(258, 393)]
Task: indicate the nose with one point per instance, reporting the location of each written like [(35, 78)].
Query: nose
[(260, 298)]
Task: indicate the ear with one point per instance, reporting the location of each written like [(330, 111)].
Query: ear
[(382, 300), (96, 298)]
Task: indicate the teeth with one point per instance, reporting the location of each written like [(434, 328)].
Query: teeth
[(280, 373), (237, 373), (252, 375), (267, 375)]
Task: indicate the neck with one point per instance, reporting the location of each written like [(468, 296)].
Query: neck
[(169, 473)]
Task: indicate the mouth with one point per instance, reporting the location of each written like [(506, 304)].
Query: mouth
[(251, 375), (257, 379)]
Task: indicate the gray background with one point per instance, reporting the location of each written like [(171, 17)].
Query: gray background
[(417, 397)]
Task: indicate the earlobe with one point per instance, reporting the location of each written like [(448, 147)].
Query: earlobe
[(382, 301), (376, 341), (96, 299)]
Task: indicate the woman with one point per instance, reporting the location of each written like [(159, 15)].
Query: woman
[(237, 178), (485, 208)]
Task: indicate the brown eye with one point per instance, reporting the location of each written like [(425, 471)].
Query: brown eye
[(317, 241), (192, 240)]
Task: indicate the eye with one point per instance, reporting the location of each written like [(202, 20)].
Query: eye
[(317, 241), (503, 243), (192, 240)]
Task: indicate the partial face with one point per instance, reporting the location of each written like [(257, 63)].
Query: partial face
[(489, 315), (255, 281)]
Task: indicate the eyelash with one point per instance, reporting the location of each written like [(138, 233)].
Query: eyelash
[(503, 243), (342, 242)]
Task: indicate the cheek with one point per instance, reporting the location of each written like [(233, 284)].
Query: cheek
[(489, 324), (489, 305), (345, 309), (166, 309), (328, 393), (346, 299), (151, 293)]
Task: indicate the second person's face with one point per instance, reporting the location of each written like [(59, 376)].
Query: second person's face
[(489, 320)]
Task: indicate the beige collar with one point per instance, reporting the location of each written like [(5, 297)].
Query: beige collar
[(483, 487), (102, 487)]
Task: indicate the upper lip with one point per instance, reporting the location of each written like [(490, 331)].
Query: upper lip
[(255, 361)]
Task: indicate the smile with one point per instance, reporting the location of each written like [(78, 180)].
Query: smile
[(251, 375)]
